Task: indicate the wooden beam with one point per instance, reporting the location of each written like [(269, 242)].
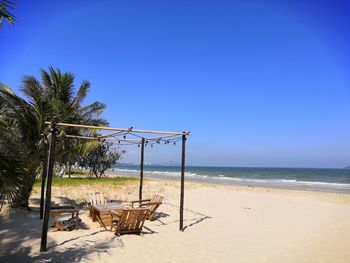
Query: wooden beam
[(124, 140), (110, 134), (50, 165), (182, 186), (141, 167), (116, 139), (89, 126), (161, 137), (43, 179), (117, 129), (97, 138), (81, 137), (157, 132)]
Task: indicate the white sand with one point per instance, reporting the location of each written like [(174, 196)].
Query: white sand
[(224, 224)]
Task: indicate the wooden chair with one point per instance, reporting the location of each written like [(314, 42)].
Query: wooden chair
[(151, 204), (95, 199), (130, 221)]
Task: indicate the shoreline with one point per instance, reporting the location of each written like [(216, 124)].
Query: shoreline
[(334, 197), (228, 181)]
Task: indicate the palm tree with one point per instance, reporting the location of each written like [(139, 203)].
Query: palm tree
[(54, 99), (5, 5), (19, 131)]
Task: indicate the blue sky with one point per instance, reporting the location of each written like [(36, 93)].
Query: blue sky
[(258, 83)]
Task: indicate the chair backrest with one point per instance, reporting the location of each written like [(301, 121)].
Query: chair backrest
[(97, 199), (131, 220), (154, 203)]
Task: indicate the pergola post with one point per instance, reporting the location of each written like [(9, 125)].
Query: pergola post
[(182, 187), (43, 179), (141, 167), (50, 165)]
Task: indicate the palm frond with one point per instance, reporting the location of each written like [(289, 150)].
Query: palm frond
[(33, 90), (81, 94), (12, 173), (93, 110), (5, 6)]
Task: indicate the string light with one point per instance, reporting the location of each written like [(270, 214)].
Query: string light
[(122, 140)]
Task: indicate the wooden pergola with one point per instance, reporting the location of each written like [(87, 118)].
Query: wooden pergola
[(122, 136)]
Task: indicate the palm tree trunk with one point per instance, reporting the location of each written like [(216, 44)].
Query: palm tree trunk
[(22, 200)]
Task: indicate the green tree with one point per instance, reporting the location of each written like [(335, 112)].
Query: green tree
[(53, 98), (100, 158)]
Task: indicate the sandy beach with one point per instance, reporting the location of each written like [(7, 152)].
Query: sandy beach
[(223, 224)]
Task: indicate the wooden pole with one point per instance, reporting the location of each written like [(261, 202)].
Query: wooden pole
[(50, 165), (182, 183), (117, 129), (141, 167), (43, 180)]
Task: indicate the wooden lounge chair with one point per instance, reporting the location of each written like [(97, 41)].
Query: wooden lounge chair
[(130, 221), (151, 204), (95, 199), (98, 199)]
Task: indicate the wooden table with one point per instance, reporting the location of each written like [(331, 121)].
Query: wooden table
[(54, 212), (102, 213)]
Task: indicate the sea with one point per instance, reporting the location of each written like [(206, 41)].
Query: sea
[(328, 180)]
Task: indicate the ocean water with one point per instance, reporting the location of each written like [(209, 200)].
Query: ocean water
[(332, 180)]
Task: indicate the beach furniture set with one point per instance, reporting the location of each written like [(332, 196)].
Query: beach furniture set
[(123, 219)]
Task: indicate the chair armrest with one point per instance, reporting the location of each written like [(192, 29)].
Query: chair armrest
[(141, 201), (151, 203)]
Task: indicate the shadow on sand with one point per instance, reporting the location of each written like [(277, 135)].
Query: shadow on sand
[(195, 217), (20, 233), (22, 230)]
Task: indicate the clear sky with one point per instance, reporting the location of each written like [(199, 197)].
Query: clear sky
[(258, 83)]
